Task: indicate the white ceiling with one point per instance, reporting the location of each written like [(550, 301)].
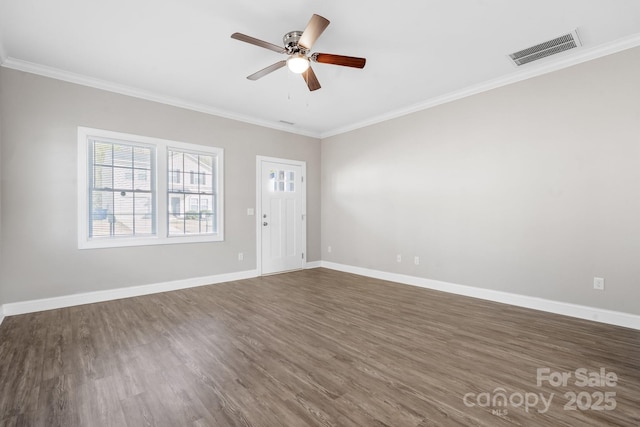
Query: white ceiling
[(419, 53)]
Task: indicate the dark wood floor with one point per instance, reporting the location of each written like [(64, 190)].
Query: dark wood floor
[(316, 348)]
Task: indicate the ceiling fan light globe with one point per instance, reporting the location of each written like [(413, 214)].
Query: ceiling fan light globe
[(298, 64)]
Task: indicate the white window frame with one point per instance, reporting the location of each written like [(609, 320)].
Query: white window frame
[(161, 207)]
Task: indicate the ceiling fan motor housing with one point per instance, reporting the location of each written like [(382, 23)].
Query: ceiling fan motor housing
[(290, 41)]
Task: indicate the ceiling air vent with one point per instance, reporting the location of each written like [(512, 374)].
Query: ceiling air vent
[(548, 48)]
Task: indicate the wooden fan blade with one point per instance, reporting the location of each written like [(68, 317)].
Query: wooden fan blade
[(315, 27), (269, 69), (345, 61), (257, 42), (311, 79)]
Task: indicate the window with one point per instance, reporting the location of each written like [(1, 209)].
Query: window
[(119, 205), (193, 204), (194, 220), (133, 190), (197, 178)]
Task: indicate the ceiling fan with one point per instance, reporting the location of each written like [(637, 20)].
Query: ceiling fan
[(297, 45)]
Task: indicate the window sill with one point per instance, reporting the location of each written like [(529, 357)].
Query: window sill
[(119, 242)]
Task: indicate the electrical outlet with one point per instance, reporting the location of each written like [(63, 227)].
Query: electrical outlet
[(398, 258), (250, 211), (598, 283), (329, 249), (416, 260), (240, 256)]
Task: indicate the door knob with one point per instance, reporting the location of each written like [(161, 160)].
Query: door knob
[(265, 223)]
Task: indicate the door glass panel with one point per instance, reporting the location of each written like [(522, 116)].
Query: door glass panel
[(282, 181)]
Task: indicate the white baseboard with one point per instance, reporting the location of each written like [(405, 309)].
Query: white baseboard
[(113, 294), (579, 311), (617, 318)]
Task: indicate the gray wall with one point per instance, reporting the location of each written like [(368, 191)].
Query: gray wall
[(38, 121), (532, 188), (1, 187)]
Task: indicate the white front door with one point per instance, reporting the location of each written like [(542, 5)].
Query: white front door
[(281, 215)]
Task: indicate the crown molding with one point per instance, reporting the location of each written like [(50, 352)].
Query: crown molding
[(67, 76), (581, 55)]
